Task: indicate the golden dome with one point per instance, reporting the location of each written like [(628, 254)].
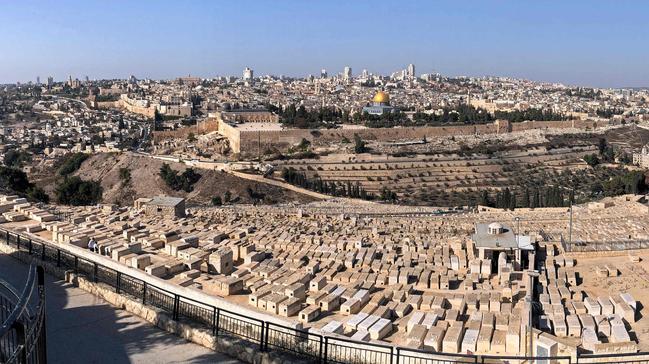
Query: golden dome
[(381, 98)]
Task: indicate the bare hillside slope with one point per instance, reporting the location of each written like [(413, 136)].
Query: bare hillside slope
[(145, 182)]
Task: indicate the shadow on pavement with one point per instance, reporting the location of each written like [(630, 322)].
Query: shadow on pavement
[(82, 328)]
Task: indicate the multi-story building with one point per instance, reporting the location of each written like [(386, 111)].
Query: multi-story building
[(248, 74), (347, 73), (642, 159), (410, 71)]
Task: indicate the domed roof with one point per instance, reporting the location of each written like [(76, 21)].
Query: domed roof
[(495, 225), (495, 228), (381, 98)]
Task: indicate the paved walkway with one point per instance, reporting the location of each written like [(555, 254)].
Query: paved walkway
[(82, 328)]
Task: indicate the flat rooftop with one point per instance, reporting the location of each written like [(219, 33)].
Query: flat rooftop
[(165, 201), (261, 126), (505, 240)]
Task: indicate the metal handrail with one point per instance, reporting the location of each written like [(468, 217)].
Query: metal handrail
[(22, 334), (22, 303), (326, 342)]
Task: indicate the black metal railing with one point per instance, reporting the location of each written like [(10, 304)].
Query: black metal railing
[(414, 356), (603, 246), (22, 320), (268, 336)]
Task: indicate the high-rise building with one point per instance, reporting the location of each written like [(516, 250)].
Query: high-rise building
[(248, 74), (365, 74), (410, 71), (50, 82), (38, 80), (323, 73), (347, 73)]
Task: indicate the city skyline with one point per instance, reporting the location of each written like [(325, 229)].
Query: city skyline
[(575, 43)]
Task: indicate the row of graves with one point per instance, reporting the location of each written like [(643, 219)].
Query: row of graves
[(422, 283), (602, 323)]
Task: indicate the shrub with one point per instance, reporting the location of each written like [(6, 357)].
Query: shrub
[(13, 179), (591, 160), (177, 182), (37, 194), (16, 158), (125, 175), (359, 145), (72, 163), (77, 192)]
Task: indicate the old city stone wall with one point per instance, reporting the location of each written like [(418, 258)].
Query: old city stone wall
[(258, 141), (206, 126), (255, 141)]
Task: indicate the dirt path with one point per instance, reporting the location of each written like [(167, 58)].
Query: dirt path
[(288, 186)]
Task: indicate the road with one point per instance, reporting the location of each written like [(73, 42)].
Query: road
[(82, 328), (284, 185)]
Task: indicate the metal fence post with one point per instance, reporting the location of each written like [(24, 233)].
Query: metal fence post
[(392, 354), (326, 350), (58, 257), (21, 338), (29, 241), (267, 335), (17, 242), (261, 339), (144, 293), (43, 252), (40, 274), (95, 272), (119, 280), (76, 265), (321, 359), (218, 322), (175, 311), (213, 321)]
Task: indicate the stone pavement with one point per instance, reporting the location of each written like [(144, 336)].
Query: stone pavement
[(82, 328)]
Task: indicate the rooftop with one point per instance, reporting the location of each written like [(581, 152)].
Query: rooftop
[(483, 239), (165, 201)]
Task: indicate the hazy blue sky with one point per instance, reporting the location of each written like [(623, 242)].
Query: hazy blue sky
[(591, 43)]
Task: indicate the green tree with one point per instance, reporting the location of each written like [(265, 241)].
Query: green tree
[(72, 163), (125, 176), (37, 194), (526, 198), (177, 182), (484, 199), (16, 158), (216, 201), (13, 179), (359, 144), (77, 192), (591, 160)]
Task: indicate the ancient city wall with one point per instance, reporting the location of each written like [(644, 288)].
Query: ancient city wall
[(206, 126), (146, 111), (255, 141), (281, 139)]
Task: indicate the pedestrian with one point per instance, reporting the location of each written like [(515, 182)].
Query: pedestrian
[(92, 245)]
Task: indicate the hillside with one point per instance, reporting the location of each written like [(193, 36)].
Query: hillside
[(145, 182)]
